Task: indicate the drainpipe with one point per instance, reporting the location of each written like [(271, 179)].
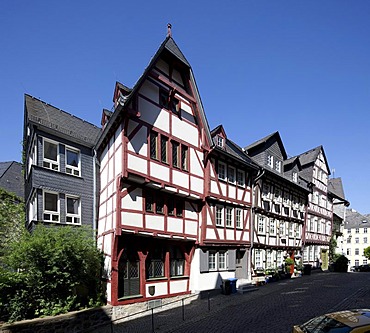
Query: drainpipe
[(94, 194), (260, 174)]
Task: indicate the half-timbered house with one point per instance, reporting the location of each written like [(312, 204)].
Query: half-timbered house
[(279, 206), (225, 235), (318, 228), (152, 182)]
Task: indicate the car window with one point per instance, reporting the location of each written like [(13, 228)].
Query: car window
[(324, 324)]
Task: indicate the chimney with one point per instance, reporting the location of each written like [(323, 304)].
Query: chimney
[(169, 32)]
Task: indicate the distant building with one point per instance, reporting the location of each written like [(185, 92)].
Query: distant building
[(280, 204), (11, 178), (335, 189), (60, 166), (356, 237)]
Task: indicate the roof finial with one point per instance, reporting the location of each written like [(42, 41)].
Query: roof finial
[(169, 32)]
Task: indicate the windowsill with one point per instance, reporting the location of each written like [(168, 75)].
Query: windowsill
[(130, 297), (164, 278), (179, 277)]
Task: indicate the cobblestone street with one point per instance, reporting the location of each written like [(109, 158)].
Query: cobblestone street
[(275, 307)]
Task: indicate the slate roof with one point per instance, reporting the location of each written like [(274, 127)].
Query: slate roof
[(11, 178), (61, 122), (169, 45), (356, 220), (335, 186)]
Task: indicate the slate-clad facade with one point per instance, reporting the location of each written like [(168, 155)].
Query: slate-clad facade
[(60, 169), (11, 178)]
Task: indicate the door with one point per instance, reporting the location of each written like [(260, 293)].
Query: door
[(128, 275), (241, 264)]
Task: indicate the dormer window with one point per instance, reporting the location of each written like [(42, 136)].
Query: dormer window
[(295, 177), (270, 161), (278, 166), (220, 141)]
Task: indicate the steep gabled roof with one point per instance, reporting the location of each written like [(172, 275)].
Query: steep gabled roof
[(52, 119), (335, 187), (11, 178), (167, 45), (271, 137)]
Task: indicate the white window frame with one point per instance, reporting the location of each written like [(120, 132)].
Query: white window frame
[(229, 216), (70, 169), (219, 214), (270, 161), (240, 175), (46, 162), (278, 166), (221, 173), (231, 174), (238, 217), (220, 141), (272, 226), (261, 225), (295, 177), (54, 215), (32, 208), (217, 260), (75, 218)]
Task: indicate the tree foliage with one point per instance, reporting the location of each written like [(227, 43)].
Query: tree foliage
[(51, 271), (367, 252), (12, 220)]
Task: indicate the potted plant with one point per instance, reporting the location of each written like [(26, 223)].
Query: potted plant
[(289, 263)]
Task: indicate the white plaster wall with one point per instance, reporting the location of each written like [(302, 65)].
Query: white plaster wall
[(187, 108), (205, 281), (196, 184), (214, 187), (138, 144), (191, 227), (196, 159), (223, 187), (229, 234), (180, 178), (184, 131), (210, 234), (133, 200), (160, 289), (154, 222), (174, 225), (232, 192), (178, 286), (137, 163), (190, 213), (132, 219), (159, 171)]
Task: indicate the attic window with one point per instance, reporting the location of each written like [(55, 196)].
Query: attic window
[(295, 177), (220, 141), (270, 161)]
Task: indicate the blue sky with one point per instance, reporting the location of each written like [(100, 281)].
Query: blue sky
[(298, 67)]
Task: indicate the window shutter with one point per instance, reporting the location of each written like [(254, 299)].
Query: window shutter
[(203, 259), (231, 260)]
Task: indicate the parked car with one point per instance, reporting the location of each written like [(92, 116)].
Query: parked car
[(361, 268), (342, 322)]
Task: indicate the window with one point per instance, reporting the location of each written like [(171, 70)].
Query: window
[(180, 156), (51, 207), (159, 204), (175, 105), (51, 156), (365, 230), (231, 175), (270, 161), (357, 240), (221, 260), (229, 217), (348, 252), (175, 154), (241, 178), (295, 177), (149, 202), (217, 260), (348, 240), (179, 208), (357, 262), (221, 171), (357, 230), (156, 203), (184, 158), (349, 231), (272, 227), (282, 229), (278, 166), (364, 261), (291, 229), (155, 263), (261, 224), (357, 251), (177, 262), (365, 240), (164, 149), (154, 145), (163, 99), (238, 217), (72, 162), (73, 210), (258, 258), (220, 141), (219, 212)]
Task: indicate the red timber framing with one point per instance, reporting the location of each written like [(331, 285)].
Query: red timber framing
[(152, 186)]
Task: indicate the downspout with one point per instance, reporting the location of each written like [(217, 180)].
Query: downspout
[(95, 222), (260, 174)]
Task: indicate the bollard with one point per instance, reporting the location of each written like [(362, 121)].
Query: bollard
[(183, 310), (153, 331), (209, 302)]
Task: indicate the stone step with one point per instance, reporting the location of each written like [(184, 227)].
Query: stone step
[(246, 288)]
